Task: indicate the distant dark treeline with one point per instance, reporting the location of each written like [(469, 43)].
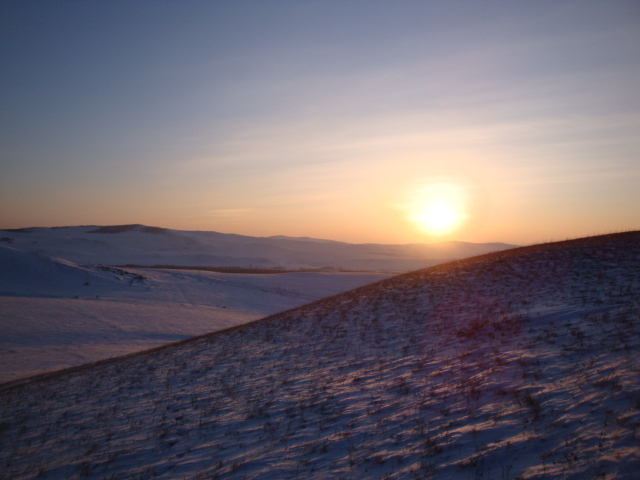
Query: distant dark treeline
[(245, 269)]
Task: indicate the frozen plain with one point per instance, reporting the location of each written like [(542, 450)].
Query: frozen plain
[(55, 314), (518, 364), (58, 310)]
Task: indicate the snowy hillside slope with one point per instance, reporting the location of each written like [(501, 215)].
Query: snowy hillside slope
[(33, 274), (143, 245), (517, 364), (56, 314)]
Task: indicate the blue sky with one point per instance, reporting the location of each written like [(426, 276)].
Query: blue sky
[(324, 119)]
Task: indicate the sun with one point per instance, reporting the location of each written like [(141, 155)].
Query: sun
[(437, 208), (438, 218)]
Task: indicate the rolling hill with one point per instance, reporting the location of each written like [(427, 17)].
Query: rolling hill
[(148, 246), (516, 364), (56, 314), (35, 274)]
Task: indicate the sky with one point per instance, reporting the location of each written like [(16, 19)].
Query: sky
[(360, 121)]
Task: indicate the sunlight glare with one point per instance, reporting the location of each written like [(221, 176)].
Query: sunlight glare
[(438, 207), (438, 218)]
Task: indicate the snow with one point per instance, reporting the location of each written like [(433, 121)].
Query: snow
[(55, 314), (518, 364), (34, 274), (58, 310), (142, 245)]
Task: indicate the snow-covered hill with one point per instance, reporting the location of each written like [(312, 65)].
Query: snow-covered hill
[(56, 314), (142, 245), (518, 364), (34, 274)]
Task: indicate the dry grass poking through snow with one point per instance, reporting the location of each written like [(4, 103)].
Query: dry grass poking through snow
[(520, 364)]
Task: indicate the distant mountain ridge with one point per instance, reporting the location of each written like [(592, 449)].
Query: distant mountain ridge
[(148, 246)]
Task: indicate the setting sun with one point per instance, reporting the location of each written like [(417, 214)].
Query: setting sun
[(438, 207), (438, 218)]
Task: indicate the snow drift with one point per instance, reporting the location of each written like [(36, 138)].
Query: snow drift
[(36, 274)]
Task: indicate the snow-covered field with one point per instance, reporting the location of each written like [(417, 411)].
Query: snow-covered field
[(142, 245), (56, 314), (518, 364)]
